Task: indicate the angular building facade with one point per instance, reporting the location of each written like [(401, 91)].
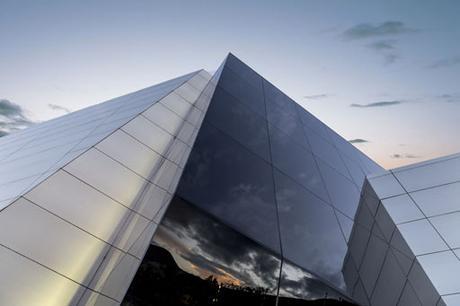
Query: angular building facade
[(408, 249), (217, 190)]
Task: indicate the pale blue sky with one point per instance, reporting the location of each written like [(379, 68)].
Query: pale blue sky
[(338, 53)]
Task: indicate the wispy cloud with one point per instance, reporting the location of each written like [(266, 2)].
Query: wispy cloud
[(390, 58), (316, 97), (410, 156), (369, 30), (383, 45), (451, 98), (445, 62), (358, 140), (59, 108), (12, 117), (386, 48), (378, 104)]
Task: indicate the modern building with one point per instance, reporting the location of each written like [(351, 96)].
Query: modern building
[(218, 190), (407, 244)]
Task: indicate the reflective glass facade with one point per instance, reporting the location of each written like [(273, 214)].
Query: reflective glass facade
[(411, 243), (218, 190)]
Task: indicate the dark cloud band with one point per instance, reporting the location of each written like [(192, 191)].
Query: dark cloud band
[(377, 104)]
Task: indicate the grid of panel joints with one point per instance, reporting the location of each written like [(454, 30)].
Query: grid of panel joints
[(38, 151), (377, 259), (116, 247), (428, 204), (255, 113), (416, 234), (319, 133), (314, 136)]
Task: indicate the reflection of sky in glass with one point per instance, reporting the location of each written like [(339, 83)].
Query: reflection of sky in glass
[(299, 284), (204, 247), (309, 231), (230, 182)]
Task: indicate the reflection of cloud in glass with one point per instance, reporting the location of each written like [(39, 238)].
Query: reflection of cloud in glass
[(297, 283), (236, 186), (311, 235), (204, 247)]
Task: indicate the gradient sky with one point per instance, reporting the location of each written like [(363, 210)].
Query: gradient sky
[(386, 72)]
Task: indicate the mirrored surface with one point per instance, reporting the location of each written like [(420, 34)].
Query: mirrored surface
[(24, 282), (296, 162), (310, 234), (386, 186), (448, 227), (69, 198), (196, 260), (237, 120), (343, 192), (438, 200), (327, 152), (402, 209), (230, 182), (422, 237), (243, 71), (443, 269), (30, 230), (242, 90), (299, 287), (429, 175), (286, 120)]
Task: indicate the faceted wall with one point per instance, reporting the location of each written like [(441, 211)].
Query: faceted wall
[(82, 195), (249, 199), (405, 243), (270, 172)]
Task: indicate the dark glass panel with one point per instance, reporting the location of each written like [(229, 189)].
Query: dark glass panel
[(244, 71), (346, 224), (242, 90), (196, 260), (355, 171), (313, 123), (286, 121), (299, 287), (233, 184), (344, 194), (296, 162), (238, 121), (326, 151), (277, 96), (310, 234)]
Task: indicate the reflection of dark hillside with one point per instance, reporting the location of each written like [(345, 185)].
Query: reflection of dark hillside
[(159, 281), (285, 301)]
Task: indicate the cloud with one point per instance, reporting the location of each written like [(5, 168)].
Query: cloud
[(10, 110), (450, 98), (378, 104), (390, 58), (383, 45), (446, 62), (397, 155), (316, 97), (368, 30), (209, 247), (59, 108), (358, 140), (12, 117), (387, 48)]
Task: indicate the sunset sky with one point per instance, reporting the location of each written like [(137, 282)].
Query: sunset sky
[(382, 73)]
